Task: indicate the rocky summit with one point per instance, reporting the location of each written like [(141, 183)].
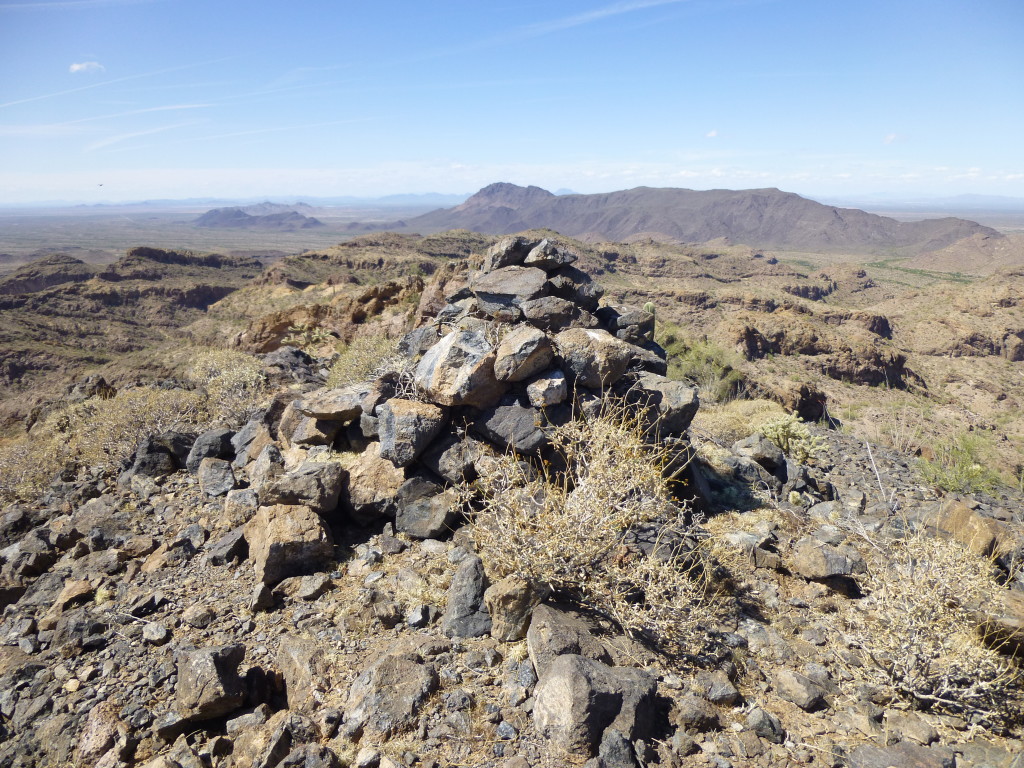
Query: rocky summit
[(309, 587)]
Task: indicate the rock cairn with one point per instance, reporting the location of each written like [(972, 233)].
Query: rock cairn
[(521, 346)]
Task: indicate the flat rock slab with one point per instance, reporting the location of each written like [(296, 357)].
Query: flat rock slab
[(507, 287)]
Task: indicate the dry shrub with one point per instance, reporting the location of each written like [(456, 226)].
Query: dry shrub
[(569, 532), (725, 423), (917, 639), (365, 356), (104, 433), (234, 383), (93, 433)]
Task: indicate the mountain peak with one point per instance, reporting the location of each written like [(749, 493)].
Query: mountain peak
[(507, 195)]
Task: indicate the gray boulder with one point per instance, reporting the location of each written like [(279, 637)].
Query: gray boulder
[(387, 696), (511, 426), (315, 484), (813, 559), (465, 614), (554, 632), (549, 313), (762, 450), (214, 444), (507, 252), (548, 256), (548, 389), (576, 286), (523, 352), (594, 357), (672, 404), (505, 289), (406, 428), (216, 477), (340, 404), (425, 510)]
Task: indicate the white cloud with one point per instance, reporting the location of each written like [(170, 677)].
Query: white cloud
[(88, 67), (889, 138), (712, 133)]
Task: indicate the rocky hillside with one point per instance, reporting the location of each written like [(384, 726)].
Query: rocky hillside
[(509, 548), (761, 218), (59, 315)]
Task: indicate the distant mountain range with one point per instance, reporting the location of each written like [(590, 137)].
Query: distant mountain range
[(278, 218), (761, 218)]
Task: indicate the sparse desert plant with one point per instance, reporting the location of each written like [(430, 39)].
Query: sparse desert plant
[(307, 336), (364, 357), (94, 433), (961, 465), (725, 423), (567, 531), (713, 369), (234, 383), (916, 637), (792, 435)]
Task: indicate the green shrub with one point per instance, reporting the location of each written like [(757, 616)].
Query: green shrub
[(792, 435), (961, 465), (712, 369)]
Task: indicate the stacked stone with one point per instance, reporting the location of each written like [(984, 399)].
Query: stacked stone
[(524, 345)]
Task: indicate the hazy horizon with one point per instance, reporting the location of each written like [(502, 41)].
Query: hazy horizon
[(122, 100)]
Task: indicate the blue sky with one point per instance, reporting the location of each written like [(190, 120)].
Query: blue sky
[(180, 98)]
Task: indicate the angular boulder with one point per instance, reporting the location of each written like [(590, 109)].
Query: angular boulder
[(506, 288), (341, 404), (459, 370), (406, 428), (594, 357), (314, 484), (425, 510), (578, 698), (372, 484), (208, 682), (287, 541), (465, 614), (213, 444), (523, 352), (387, 696)]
